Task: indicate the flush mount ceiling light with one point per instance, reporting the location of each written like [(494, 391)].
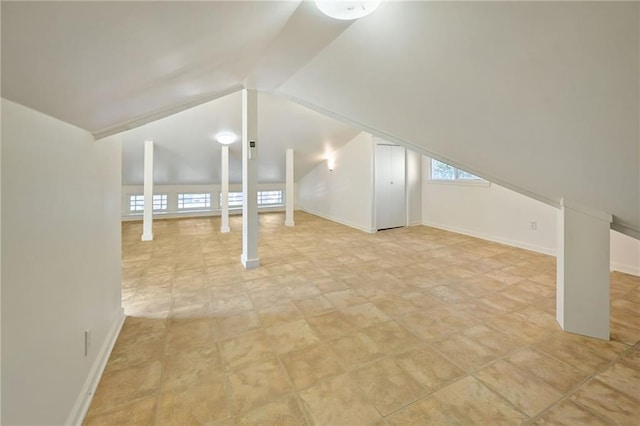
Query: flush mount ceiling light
[(347, 10), (226, 138)]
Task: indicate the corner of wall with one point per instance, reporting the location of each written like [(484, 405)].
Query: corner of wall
[(85, 397)]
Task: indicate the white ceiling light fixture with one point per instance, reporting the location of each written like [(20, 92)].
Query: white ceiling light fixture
[(226, 138), (346, 9)]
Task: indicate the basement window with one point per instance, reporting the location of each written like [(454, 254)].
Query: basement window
[(194, 201), (270, 198), (160, 202), (444, 172), (235, 200), (265, 198), (136, 202)]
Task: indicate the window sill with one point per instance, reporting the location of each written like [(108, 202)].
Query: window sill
[(460, 182)]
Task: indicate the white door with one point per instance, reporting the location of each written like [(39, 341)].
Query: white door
[(390, 187)]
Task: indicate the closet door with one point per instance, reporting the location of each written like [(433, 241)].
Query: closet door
[(390, 187)]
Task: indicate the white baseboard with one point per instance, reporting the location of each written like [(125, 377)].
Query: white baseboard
[(340, 221), (126, 217), (614, 266), (495, 239), (83, 402), (627, 269)]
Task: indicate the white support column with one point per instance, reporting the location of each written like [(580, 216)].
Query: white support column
[(250, 223), (224, 191), (582, 304), (289, 190), (147, 219)]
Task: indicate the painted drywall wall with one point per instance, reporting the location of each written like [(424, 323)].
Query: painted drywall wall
[(488, 211), (414, 188), (60, 272), (540, 97), (495, 213), (344, 195), (0, 262), (625, 253)]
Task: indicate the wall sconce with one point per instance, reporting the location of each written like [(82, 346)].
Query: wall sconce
[(331, 163)]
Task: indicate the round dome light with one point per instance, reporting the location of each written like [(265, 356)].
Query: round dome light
[(347, 10), (226, 138)]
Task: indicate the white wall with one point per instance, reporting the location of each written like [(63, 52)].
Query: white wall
[(541, 97), (414, 188), (344, 195), (60, 264), (625, 253), (495, 213)]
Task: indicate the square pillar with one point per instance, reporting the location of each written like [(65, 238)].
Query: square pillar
[(250, 224), (582, 304), (147, 217), (224, 191), (289, 190)]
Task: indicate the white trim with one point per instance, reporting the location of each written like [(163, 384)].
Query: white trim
[(463, 182), (506, 241), (596, 214), (340, 221), (249, 263), (627, 269), (197, 213), (83, 401), (615, 266)]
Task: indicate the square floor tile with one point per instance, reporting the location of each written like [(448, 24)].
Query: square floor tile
[(286, 411), (189, 368), (141, 412), (567, 413), (257, 384), (310, 365), (330, 325), (291, 335), (355, 350), (527, 392), (338, 401), (428, 367), (125, 385), (608, 402), (387, 386), (364, 315), (203, 403), (470, 402), (248, 348), (561, 376)]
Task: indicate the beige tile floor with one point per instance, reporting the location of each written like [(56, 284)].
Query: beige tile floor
[(338, 327)]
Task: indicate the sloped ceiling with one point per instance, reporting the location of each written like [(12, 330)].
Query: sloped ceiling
[(541, 97), (185, 150), (98, 65)]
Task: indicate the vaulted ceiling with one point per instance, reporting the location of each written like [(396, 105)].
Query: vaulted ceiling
[(185, 150), (542, 97)]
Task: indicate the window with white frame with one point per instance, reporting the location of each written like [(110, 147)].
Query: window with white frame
[(269, 198), (194, 201), (443, 171), (160, 202), (235, 199), (136, 202), (265, 198)]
